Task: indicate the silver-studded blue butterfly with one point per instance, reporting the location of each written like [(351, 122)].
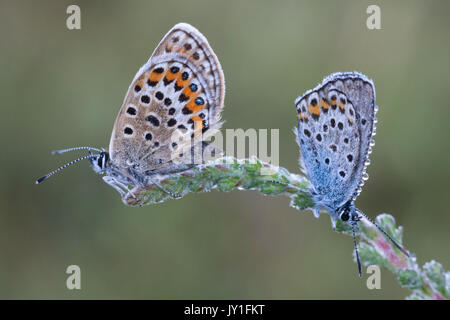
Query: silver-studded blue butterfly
[(172, 106), (336, 125)]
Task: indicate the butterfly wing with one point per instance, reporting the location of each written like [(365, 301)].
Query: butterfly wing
[(335, 128), (177, 95)]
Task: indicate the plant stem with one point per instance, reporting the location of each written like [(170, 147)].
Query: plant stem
[(225, 174)]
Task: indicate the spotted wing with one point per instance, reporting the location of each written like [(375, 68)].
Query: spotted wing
[(336, 122), (176, 96)]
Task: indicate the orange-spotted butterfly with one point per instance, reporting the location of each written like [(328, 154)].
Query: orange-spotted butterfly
[(173, 103)]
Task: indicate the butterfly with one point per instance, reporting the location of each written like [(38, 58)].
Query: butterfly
[(336, 125), (172, 105)]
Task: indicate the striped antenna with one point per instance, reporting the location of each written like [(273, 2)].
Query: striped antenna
[(356, 250), (48, 175), (385, 233), (74, 149)]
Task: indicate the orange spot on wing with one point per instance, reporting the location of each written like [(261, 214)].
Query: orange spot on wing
[(324, 104), (196, 119), (314, 110), (180, 82), (191, 105), (171, 76), (198, 124), (189, 93), (341, 106), (155, 77)]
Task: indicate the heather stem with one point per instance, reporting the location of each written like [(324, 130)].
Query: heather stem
[(430, 281)]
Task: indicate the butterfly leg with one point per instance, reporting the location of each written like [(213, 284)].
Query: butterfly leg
[(144, 180), (119, 186), (171, 194), (288, 185), (116, 185)]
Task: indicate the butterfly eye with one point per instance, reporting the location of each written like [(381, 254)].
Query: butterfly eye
[(102, 159), (345, 215), (104, 162)]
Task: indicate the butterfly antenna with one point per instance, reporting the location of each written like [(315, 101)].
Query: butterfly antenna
[(386, 234), (74, 149), (356, 250), (48, 175)]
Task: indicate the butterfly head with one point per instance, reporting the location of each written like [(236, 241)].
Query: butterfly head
[(348, 213)]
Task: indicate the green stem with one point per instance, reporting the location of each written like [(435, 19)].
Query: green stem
[(428, 282)]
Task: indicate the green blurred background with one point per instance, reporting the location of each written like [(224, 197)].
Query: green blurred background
[(62, 88)]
